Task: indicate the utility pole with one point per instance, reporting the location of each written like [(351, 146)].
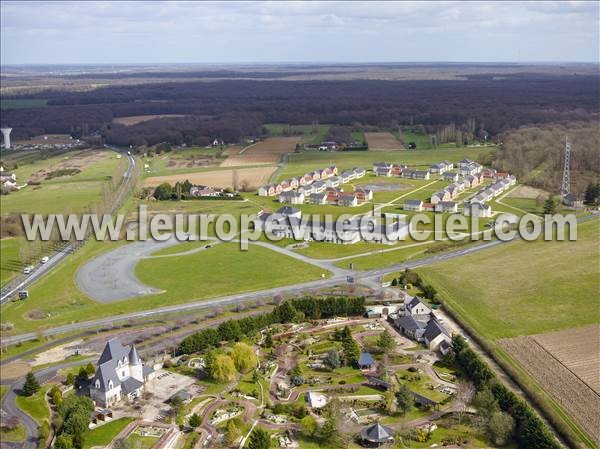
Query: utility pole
[(567, 168)]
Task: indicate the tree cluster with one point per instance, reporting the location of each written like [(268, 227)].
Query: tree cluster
[(287, 312), (73, 421), (530, 430)]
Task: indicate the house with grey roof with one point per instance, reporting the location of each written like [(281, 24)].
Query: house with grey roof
[(120, 373), (416, 205), (446, 206), (317, 198)]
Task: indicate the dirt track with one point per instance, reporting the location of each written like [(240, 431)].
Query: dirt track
[(383, 141)]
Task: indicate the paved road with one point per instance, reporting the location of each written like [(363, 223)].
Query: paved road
[(41, 269)]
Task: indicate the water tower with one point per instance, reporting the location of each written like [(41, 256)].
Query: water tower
[(6, 134)]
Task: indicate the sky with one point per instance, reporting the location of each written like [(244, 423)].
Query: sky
[(39, 32)]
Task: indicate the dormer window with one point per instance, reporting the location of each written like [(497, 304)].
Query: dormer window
[(110, 384), (97, 384), (119, 364)]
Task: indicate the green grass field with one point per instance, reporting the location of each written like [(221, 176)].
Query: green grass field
[(71, 193), (103, 435), (225, 269), (55, 299), (10, 266), (311, 135), (423, 141), (36, 405), (523, 287)]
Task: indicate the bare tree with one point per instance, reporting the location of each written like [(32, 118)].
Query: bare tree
[(464, 394)]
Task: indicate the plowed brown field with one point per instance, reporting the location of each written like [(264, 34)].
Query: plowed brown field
[(566, 365), (268, 151), (383, 141)]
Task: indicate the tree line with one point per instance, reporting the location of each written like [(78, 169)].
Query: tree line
[(287, 312), (530, 431)]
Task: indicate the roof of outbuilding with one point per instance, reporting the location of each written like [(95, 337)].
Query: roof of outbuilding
[(377, 433)]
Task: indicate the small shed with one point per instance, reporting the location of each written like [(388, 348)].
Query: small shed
[(366, 361), (376, 435)]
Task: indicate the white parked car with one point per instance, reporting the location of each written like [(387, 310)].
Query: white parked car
[(44, 259)]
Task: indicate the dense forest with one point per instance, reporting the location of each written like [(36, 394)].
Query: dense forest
[(232, 109), (536, 154)]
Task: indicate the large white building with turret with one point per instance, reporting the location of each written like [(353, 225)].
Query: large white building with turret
[(120, 373)]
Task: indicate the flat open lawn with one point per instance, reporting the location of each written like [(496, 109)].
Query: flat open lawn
[(222, 270), (35, 405), (103, 435), (74, 193), (252, 177), (524, 288), (55, 299), (17, 435), (140, 442), (300, 163), (10, 266)]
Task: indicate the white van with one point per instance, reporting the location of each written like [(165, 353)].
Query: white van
[(44, 259)]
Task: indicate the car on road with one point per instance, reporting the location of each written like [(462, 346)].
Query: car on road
[(44, 259), (27, 270)]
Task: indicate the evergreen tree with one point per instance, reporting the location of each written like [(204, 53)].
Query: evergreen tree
[(259, 439), (31, 385), (550, 206), (195, 420), (386, 342), (405, 399)]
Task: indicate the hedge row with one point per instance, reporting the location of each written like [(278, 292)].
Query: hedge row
[(236, 329), (531, 432)]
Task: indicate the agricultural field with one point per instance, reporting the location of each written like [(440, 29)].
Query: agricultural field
[(569, 390), (268, 151), (184, 160), (310, 134), (137, 119), (251, 178), (476, 286), (422, 141), (74, 180), (383, 141)]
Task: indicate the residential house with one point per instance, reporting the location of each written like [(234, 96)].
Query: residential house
[(294, 183), (472, 181), (465, 162), (414, 205), (289, 211), (307, 178), (363, 194), (359, 172), (478, 209), (440, 168), (397, 169), (470, 169), (347, 199), (415, 307), (347, 176), (285, 185), (377, 165), (315, 175), (410, 326), (332, 194), (204, 191), (442, 195), (266, 190), (334, 181), (428, 207), (446, 206), (120, 373), (452, 189), (435, 334), (449, 165), (7, 180), (383, 171), (291, 197), (489, 173), (450, 176), (421, 174), (407, 173), (307, 189), (317, 198), (318, 186)]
